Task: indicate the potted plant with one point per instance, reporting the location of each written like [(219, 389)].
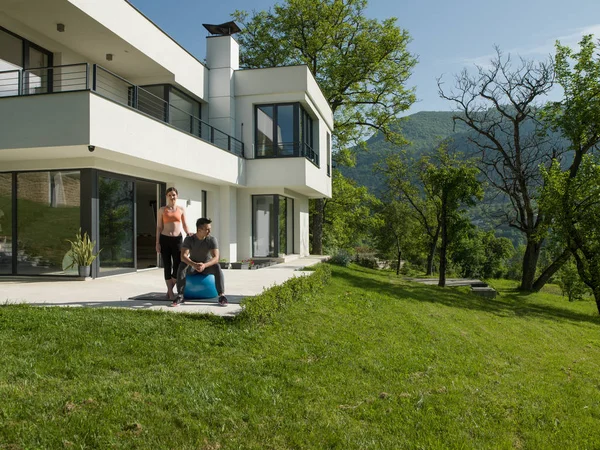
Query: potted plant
[(82, 253), (247, 263)]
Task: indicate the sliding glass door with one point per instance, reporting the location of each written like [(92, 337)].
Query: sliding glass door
[(272, 225), (116, 224)]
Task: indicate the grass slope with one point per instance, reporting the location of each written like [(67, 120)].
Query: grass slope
[(373, 362)]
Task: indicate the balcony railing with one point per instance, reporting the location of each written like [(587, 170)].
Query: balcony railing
[(287, 149), (79, 77)]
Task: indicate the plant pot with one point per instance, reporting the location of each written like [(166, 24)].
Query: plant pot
[(84, 271), (236, 265)]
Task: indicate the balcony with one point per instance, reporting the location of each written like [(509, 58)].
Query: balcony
[(83, 77)]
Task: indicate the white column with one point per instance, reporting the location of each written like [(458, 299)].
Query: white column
[(228, 223)]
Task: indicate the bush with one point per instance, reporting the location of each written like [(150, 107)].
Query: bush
[(570, 283), (263, 307), (341, 258), (368, 261)]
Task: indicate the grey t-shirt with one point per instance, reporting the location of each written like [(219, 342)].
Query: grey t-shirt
[(200, 249)]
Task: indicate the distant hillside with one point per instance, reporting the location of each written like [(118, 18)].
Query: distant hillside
[(424, 130)]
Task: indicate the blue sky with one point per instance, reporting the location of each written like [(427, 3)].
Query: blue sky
[(447, 35)]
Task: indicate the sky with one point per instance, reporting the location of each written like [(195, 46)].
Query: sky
[(447, 36)]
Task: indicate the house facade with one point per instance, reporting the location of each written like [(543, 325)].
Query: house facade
[(101, 111)]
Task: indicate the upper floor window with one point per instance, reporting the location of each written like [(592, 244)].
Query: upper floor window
[(17, 53), (171, 105), (284, 130)]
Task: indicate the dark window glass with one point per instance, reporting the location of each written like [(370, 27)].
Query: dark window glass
[(285, 130), (264, 131), (48, 214), (151, 100), (116, 200), (6, 223)]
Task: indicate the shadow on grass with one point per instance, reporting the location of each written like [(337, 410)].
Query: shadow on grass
[(510, 303)]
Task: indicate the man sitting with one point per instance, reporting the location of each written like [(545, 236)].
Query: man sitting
[(200, 254)]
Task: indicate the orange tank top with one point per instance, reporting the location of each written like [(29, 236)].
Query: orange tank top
[(171, 216)]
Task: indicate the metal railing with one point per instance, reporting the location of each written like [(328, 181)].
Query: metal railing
[(287, 149), (79, 77)]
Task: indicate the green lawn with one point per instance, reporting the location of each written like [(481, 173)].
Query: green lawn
[(372, 362)]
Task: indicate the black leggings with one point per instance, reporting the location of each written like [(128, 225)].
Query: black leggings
[(170, 251)]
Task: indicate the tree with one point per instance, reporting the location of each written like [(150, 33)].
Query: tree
[(348, 214), (405, 184), (501, 105), (454, 184), (361, 65), (396, 233), (478, 253), (573, 204)]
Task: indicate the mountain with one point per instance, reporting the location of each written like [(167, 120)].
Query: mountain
[(424, 131)]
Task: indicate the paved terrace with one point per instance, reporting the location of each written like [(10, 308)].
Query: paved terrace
[(147, 290)]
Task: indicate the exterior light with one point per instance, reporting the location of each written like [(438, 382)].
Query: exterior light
[(60, 27), (109, 56)]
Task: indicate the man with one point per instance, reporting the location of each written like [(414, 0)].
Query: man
[(200, 253)]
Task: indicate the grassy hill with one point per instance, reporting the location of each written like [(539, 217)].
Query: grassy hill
[(371, 362)]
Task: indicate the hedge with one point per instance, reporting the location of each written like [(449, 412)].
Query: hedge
[(263, 307)]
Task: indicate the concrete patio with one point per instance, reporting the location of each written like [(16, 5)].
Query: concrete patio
[(124, 291)]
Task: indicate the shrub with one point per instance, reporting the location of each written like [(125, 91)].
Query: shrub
[(570, 283), (263, 307), (341, 258), (369, 262)]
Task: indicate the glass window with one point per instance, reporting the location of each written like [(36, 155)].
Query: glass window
[(11, 58), (116, 233), (285, 130), (264, 131), (272, 225), (6, 223), (36, 78), (152, 101), (184, 112), (48, 214), (264, 231)]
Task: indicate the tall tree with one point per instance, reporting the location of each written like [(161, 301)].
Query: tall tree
[(406, 184), (348, 214), (396, 232), (501, 103), (573, 195), (362, 66), (454, 184), (573, 203)]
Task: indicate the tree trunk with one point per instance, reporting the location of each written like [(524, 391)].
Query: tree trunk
[(597, 298), (530, 259), (317, 227), (398, 265), (443, 246), (551, 270)]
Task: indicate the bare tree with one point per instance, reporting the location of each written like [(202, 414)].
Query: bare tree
[(501, 103)]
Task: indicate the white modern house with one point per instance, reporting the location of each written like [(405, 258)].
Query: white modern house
[(101, 111)]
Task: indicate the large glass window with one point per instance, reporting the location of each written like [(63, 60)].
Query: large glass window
[(6, 228), (272, 225), (170, 105), (11, 58), (284, 130), (264, 131), (48, 213), (116, 227)]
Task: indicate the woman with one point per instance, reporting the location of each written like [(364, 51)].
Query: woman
[(170, 222)]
